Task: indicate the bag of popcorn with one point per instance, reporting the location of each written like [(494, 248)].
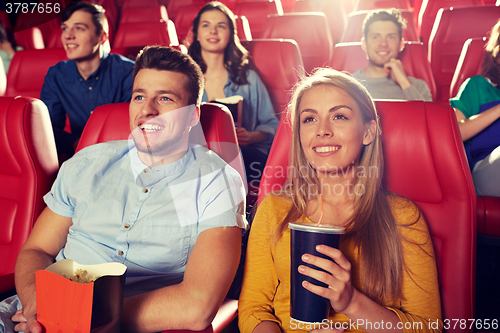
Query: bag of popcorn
[(87, 298)]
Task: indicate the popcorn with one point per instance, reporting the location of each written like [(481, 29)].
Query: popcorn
[(81, 276)]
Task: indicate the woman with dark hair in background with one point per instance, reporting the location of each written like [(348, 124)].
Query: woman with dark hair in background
[(224, 62), (477, 107)]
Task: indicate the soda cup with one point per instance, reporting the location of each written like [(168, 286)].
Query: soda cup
[(306, 306)]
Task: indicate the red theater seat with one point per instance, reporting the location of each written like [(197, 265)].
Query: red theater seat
[(143, 14), (28, 69), (256, 12), (140, 3), (279, 72), (354, 30), (184, 17), (334, 10), (30, 39), (146, 33), (488, 216), (451, 29), (350, 57), (380, 4), (424, 163), (428, 12), (309, 30), (243, 28), (469, 63), (28, 169)]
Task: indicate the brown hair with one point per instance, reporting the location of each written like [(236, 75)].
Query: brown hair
[(491, 64), (163, 58), (392, 15), (98, 17), (372, 226), (235, 55)]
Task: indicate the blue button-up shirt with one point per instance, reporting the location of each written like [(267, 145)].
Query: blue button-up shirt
[(258, 112), (146, 218), (65, 92)]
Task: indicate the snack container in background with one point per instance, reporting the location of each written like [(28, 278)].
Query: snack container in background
[(67, 306)]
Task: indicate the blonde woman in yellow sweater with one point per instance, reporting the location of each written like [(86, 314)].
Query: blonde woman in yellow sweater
[(384, 277)]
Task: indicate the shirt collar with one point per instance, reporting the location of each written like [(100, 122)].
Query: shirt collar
[(146, 176)]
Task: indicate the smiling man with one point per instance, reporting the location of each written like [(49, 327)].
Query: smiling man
[(171, 211), (91, 77), (385, 78)]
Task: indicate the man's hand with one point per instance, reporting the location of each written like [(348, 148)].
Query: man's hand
[(26, 325), (243, 136), (394, 69)]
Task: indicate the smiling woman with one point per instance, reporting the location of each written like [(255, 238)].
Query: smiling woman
[(384, 272), (224, 62)]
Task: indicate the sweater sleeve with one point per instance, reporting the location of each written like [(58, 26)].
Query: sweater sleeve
[(418, 91), (260, 278), (420, 308)]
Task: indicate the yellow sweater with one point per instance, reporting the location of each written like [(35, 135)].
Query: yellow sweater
[(265, 293)]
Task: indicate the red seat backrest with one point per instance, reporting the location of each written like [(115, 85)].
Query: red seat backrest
[(146, 33), (309, 30), (469, 63), (243, 28), (111, 122), (334, 10), (381, 4), (28, 69), (44, 21), (428, 12), (184, 20), (279, 72), (350, 57), (425, 161), (28, 169), (143, 14), (448, 37), (140, 3), (354, 30), (256, 12), (30, 39)]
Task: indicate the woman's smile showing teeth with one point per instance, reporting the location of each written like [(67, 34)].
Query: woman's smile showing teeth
[(326, 149)]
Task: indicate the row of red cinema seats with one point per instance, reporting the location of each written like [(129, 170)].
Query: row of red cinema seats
[(423, 162), (315, 42), (279, 74)]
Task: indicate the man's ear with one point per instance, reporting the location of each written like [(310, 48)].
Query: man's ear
[(402, 45), (363, 44), (195, 117), (103, 37), (370, 132)]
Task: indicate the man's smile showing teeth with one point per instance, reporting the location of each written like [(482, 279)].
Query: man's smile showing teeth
[(71, 46), (150, 127), (326, 149)]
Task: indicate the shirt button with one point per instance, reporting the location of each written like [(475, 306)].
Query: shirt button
[(145, 190), (146, 170), (127, 226), (97, 78), (90, 88), (120, 253)]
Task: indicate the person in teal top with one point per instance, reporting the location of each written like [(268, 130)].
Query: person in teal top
[(477, 108)]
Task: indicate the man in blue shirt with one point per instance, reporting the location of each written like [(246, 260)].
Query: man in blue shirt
[(171, 211), (91, 77)]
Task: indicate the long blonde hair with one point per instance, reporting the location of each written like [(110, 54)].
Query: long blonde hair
[(372, 226)]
